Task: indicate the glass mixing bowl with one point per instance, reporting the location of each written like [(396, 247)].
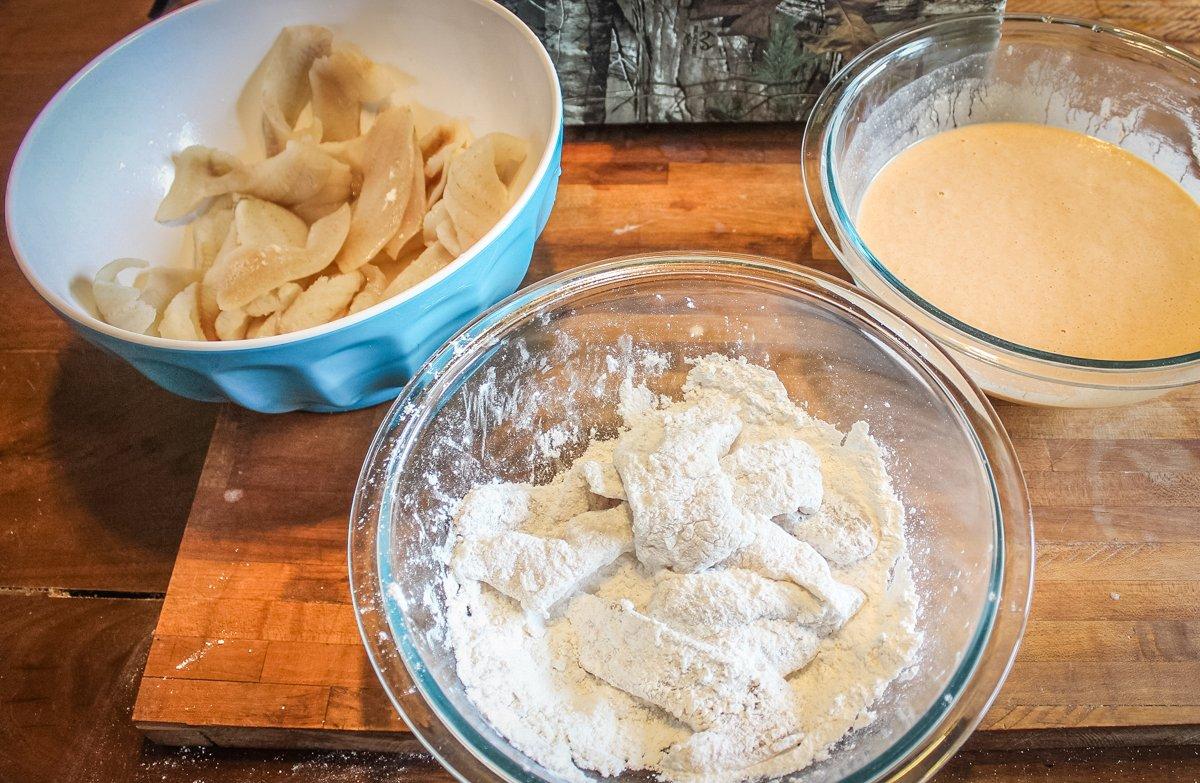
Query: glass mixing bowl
[(1116, 85), (515, 395)]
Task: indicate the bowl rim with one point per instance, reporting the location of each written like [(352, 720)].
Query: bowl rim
[(969, 689), (825, 199), (77, 314)]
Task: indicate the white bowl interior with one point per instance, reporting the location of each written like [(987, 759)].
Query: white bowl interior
[(98, 160)]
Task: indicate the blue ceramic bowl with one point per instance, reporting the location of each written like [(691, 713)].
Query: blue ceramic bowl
[(92, 169)]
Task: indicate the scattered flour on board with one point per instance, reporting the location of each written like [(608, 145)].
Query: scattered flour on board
[(719, 593), (198, 654)]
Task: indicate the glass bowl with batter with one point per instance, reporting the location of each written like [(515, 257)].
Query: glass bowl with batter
[(520, 391), (1079, 334)]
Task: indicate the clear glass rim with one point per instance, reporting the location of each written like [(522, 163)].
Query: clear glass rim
[(829, 104), (914, 755)]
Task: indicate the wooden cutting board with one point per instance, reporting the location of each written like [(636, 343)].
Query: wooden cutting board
[(257, 644)]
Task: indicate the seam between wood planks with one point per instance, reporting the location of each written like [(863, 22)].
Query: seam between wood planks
[(60, 592)]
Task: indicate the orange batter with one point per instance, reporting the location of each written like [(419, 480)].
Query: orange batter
[(1044, 237)]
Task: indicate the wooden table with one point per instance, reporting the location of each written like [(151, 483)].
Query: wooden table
[(98, 467)]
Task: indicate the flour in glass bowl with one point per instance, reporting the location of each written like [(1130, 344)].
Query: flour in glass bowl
[(719, 593)]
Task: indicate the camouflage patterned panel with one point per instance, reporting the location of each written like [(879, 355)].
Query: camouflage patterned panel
[(653, 61)]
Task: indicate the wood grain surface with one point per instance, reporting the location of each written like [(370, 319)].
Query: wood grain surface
[(97, 467), (257, 642)]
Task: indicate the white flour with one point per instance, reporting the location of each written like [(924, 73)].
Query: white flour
[(720, 593)]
